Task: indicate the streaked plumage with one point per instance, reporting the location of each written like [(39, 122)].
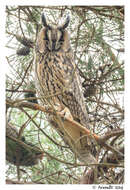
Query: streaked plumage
[(58, 81)]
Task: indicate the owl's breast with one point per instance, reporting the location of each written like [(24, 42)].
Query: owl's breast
[(53, 72), (53, 75)]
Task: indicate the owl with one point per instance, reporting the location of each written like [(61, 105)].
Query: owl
[(58, 84)]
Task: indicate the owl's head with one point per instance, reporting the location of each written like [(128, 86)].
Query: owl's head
[(53, 39)]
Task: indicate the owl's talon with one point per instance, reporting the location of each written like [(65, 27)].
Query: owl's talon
[(47, 108), (66, 113)]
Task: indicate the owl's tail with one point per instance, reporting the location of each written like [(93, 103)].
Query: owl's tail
[(74, 135)]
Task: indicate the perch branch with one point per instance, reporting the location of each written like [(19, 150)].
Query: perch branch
[(100, 139)]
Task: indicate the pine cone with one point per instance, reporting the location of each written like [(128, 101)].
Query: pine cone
[(23, 51), (20, 153), (31, 95)]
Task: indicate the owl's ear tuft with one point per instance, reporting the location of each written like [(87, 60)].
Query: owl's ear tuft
[(65, 24), (44, 22)]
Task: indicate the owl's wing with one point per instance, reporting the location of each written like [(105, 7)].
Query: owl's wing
[(74, 98)]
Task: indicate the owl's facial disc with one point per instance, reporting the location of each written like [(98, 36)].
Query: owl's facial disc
[(54, 39)]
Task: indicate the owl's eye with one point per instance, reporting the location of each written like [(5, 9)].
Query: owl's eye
[(61, 38), (46, 39), (61, 42), (46, 35)]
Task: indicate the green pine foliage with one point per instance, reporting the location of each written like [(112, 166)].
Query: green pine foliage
[(97, 39)]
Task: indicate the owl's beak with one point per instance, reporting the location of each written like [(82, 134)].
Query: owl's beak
[(53, 45)]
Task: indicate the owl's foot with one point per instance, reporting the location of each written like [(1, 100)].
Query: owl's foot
[(66, 113)]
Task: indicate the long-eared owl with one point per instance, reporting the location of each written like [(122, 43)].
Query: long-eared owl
[(58, 81)]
